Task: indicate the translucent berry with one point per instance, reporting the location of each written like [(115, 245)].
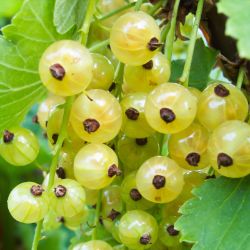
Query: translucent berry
[(96, 166), (96, 116), (229, 149), (28, 203), (170, 108), (160, 179), (189, 147), (134, 38), (66, 68), (221, 102), (18, 146)]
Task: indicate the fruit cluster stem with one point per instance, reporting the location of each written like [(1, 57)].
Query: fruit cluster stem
[(240, 78), (138, 5), (168, 49), (116, 11), (97, 215), (87, 21), (99, 45), (186, 71), (37, 235)]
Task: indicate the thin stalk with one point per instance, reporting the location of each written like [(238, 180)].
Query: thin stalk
[(99, 45), (186, 71), (155, 8), (97, 215), (119, 80), (171, 34), (164, 145), (138, 5), (58, 146), (59, 143), (164, 32), (37, 235), (87, 21), (116, 11), (240, 78)]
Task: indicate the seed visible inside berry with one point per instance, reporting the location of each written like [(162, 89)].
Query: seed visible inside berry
[(114, 170), (135, 194), (7, 136), (145, 239), (167, 115), (149, 65), (221, 91), (57, 71), (141, 141), (60, 191), (159, 181), (91, 125), (36, 190), (132, 114), (172, 231), (193, 159), (224, 160)]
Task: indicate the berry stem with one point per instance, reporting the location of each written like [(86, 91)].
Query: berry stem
[(99, 45), (87, 21), (240, 78), (119, 79), (186, 71), (97, 215), (116, 11), (164, 145), (168, 49), (59, 143), (138, 5), (155, 8), (37, 235), (164, 32)]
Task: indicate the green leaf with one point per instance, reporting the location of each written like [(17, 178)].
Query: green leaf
[(203, 61), (237, 25), (69, 13), (24, 41), (218, 218)]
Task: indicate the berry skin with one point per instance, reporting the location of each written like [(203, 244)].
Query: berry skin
[(138, 230), (189, 147), (19, 146), (112, 206), (103, 72), (134, 38), (170, 108), (46, 107), (145, 78), (134, 122), (159, 179), (66, 68), (221, 102), (168, 235), (131, 195), (96, 166), (229, 149), (96, 116), (133, 152), (73, 223), (27, 202), (67, 197), (195, 92), (93, 245)]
